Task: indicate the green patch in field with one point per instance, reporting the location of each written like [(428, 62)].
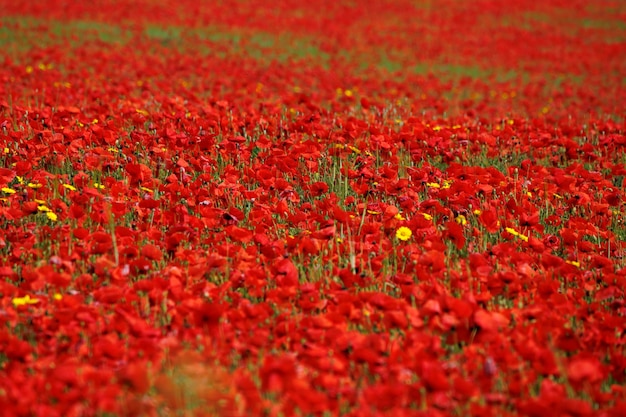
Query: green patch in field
[(85, 31), (283, 48), (161, 34), (450, 71), (563, 21), (389, 64), (22, 33), (216, 35), (18, 35), (609, 24)]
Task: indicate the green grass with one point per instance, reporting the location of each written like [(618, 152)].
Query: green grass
[(25, 33), (21, 34)]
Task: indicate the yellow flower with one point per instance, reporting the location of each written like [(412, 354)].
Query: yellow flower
[(69, 187), (460, 219), (403, 233), (52, 216), (43, 208), (22, 301), (8, 190), (146, 189), (427, 216), (511, 231), (57, 297), (98, 186), (399, 216), (575, 263), (34, 185), (477, 212), (433, 185), (516, 234)]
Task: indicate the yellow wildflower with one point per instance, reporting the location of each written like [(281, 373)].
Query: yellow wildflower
[(26, 300), (404, 233), (69, 187), (52, 216), (8, 190), (511, 231), (516, 234), (460, 219)]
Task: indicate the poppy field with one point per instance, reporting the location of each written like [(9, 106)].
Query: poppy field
[(330, 208)]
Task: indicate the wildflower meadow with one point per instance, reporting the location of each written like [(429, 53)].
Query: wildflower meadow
[(323, 208)]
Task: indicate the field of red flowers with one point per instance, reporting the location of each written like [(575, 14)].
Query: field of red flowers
[(287, 208)]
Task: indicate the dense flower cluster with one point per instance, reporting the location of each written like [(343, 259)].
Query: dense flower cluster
[(405, 208)]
